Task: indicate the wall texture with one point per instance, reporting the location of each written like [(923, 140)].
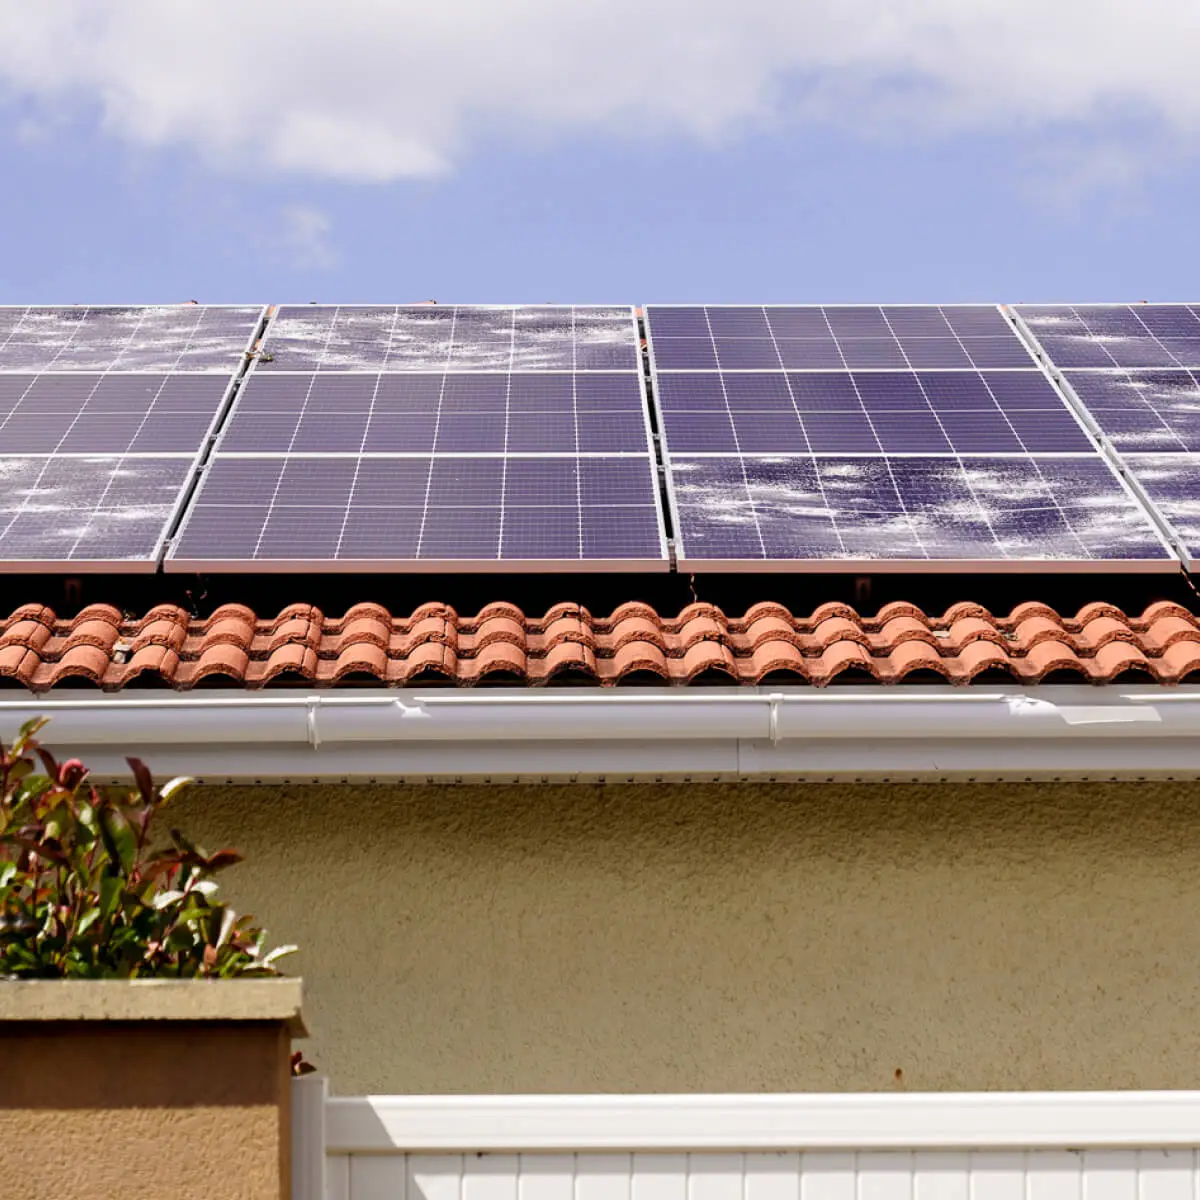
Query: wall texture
[(731, 937), (107, 1110)]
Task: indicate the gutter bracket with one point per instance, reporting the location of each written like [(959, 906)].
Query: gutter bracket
[(774, 700), (311, 704)]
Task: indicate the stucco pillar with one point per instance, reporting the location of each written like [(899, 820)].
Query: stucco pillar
[(113, 1089)]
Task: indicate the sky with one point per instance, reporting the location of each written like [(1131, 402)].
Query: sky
[(602, 151)]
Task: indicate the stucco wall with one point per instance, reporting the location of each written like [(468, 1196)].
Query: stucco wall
[(731, 938)]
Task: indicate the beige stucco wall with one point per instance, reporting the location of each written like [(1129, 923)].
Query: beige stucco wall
[(731, 938)]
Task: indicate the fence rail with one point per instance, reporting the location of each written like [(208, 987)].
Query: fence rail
[(998, 1146)]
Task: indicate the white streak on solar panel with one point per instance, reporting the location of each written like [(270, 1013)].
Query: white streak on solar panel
[(729, 503), (163, 337)]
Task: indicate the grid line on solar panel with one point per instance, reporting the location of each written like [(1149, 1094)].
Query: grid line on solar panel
[(109, 413), (1141, 411), (325, 512), (812, 337), (1171, 483), (156, 338), (424, 412), (91, 511), (1110, 336), (994, 512), (398, 338), (866, 412)]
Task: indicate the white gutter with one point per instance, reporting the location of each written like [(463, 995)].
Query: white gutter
[(851, 732)]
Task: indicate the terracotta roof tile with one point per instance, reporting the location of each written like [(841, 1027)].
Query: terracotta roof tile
[(303, 646)]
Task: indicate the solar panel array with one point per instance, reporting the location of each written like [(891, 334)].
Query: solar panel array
[(519, 437), (424, 437), (1135, 370), (104, 414), (879, 437)]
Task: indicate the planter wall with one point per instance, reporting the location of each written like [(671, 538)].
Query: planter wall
[(146, 1088)]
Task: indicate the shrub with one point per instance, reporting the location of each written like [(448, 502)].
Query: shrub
[(84, 895)]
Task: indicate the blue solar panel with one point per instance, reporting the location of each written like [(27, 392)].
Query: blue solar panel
[(1172, 484), (775, 338), (422, 413), (91, 513), (876, 511), (108, 414), (1143, 410), (155, 338), (1106, 336), (1134, 369), (867, 412), (430, 437), (871, 436), (423, 337), (324, 512), (104, 413)]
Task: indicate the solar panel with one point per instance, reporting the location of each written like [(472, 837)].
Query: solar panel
[(852, 412), (424, 412), (157, 338), (1171, 482), (87, 512), (822, 510), (1126, 367), (882, 438), (1105, 336), (427, 337), (291, 512), (104, 414), (822, 338), (1142, 411), (421, 437)]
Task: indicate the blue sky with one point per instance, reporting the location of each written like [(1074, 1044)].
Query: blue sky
[(823, 172)]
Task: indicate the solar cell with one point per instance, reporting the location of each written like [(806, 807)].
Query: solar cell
[(1172, 484), (1143, 410), (321, 512), (108, 414), (778, 337), (156, 338), (91, 512), (1105, 336), (420, 413), (868, 412), (881, 512), (424, 337)]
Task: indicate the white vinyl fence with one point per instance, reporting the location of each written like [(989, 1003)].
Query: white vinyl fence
[(1077, 1146)]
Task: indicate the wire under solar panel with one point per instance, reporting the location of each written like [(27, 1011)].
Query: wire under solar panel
[(908, 513), (157, 338), (323, 512), (427, 337), (780, 337), (1108, 336)]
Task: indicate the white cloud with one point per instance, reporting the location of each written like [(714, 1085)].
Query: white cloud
[(300, 237), (385, 89)]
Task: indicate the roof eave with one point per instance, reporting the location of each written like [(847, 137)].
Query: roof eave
[(509, 735)]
